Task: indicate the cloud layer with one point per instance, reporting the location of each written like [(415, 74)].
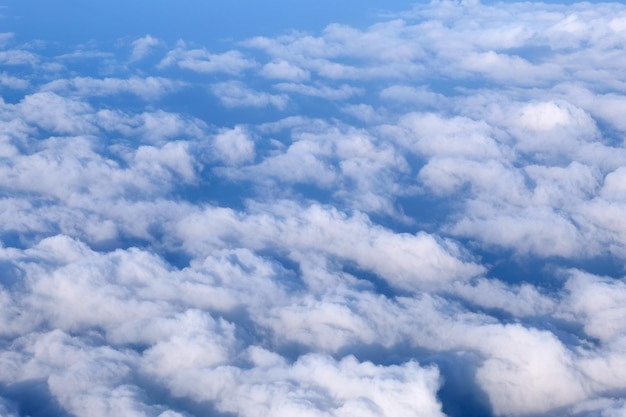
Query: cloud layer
[(419, 217)]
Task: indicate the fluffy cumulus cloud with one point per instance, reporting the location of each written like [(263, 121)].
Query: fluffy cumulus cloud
[(234, 146), (419, 217)]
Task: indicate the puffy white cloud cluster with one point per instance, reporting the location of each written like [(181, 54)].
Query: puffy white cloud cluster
[(421, 217)]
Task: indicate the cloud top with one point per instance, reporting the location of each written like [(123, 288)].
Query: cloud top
[(423, 216)]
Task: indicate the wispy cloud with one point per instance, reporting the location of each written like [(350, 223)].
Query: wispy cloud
[(340, 93), (142, 47), (147, 88), (237, 94), (202, 61)]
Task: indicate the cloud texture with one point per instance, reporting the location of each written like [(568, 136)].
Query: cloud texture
[(421, 217)]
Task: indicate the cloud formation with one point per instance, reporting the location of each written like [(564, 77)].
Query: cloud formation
[(147, 88), (419, 217), (202, 61), (142, 47)]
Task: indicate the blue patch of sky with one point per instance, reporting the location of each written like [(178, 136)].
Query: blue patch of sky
[(33, 398), (10, 275), (11, 96), (459, 395), (378, 284), (216, 190), (546, 273), (611, 136), (205, 21)]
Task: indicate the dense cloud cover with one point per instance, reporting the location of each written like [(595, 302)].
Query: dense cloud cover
[(425, 216)]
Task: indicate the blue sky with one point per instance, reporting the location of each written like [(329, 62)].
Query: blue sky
[(246, 209), (205, 21)]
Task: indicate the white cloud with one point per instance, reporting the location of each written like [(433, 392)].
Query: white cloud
[(538, 231), (529, 371), (614, 187), (408, 94), (509, 69), (173, 157), (142, 47), (202, 61), (522, 300), (363, 112), (316, 385), (234, 146), (79, 279), (551, 128), (606, 107), (563, 186), (13, 82), (283, 70), (432, 135), (355, 165), (5, 38), (71, 167), (81, 54), (605, 407), (57, 114), (383, 46), (18, 57), (406, 261), (522, 370), (343, 92), (148, 88), (490, 177), (597, 303), (156, 127), (236, 94)]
